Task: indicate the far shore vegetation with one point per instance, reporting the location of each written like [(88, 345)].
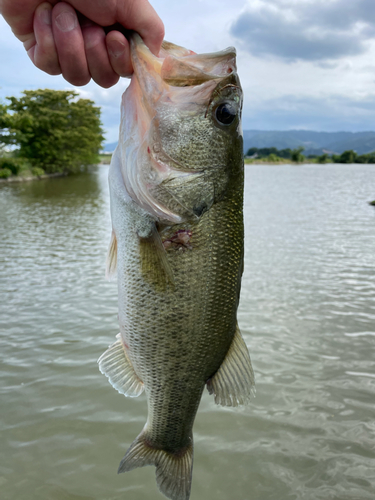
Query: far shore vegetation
[(273, 155), (48, 132), (54, 132)]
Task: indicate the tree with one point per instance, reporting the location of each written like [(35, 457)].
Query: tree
[(252, 152), (265, 152), (273, 157), (297, 154), (348, 156), (322, 158), (363, 159), (55, 130), (4, 123)]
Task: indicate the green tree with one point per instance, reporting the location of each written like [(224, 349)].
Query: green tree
[(297, 155), (322, 158), (54, 130), (285, 153), (252, 151), (265, 152), (273, 157), (363, 159), (348, 157), (4, 124)]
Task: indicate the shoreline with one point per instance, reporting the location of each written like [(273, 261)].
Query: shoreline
[(15, 178), (12, 179), (259, 162)]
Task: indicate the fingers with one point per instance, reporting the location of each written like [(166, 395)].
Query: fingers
[(97, 56), (57, 43), (19, 14), (82, 51), (69, 44), (119, 53), (141, 17), (43, 53)]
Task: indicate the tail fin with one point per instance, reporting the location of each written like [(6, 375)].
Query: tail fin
[(173, 470)]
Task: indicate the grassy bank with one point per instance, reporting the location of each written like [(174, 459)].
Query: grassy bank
[(16, 169), (105, 159), (26, 178)]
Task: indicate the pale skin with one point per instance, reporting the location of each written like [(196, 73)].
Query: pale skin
[(68, 37)]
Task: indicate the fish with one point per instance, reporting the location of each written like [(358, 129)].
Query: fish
[(176, 194)]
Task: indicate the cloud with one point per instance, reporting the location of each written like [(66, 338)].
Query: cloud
[(323, 91), (330, 113), (312, 30), (109, 101)]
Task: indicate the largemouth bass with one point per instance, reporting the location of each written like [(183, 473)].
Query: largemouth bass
[(176, 188)]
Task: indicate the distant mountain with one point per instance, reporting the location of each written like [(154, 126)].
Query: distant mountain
[(110, 147), (313, 142), (362, 144)]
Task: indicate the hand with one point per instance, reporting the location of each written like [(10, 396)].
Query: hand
[(68, 37)]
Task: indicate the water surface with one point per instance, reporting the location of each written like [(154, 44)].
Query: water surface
[(307, 313)]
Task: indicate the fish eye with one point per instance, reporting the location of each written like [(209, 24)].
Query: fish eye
[(225, 113)]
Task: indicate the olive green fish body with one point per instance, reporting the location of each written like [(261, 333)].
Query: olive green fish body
[(177, 244)]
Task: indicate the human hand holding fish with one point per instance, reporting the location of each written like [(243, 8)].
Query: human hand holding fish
[(79, 39), (176, 190)]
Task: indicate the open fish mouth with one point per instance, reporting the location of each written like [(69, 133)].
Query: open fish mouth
[(177, 79)]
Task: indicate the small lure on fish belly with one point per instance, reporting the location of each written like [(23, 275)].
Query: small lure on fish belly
[(176, 191)]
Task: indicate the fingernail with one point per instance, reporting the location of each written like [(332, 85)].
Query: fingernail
[(116, 48), (46, 16), (66, 21)]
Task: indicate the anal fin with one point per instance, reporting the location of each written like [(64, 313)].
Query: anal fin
[(233, 383), (116, 366)]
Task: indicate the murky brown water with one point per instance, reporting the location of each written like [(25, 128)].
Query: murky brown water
[(307, 313)]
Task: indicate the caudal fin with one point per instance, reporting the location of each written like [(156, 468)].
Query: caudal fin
[(173, 470)]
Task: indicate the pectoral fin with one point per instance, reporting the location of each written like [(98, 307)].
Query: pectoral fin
[(116, 366), (111, 263), (233, 383), (155, 265)]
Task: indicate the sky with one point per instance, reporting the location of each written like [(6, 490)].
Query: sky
[(303, 64)]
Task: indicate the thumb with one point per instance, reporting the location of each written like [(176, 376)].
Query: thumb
[(140, 16)]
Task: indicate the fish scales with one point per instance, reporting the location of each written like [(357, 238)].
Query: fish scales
[(177, 244)]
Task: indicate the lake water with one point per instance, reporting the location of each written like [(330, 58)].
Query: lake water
[(307, 313)]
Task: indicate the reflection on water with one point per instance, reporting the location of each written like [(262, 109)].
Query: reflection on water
[(307, 313)]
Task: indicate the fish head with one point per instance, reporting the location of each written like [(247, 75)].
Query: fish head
[(180, 135)]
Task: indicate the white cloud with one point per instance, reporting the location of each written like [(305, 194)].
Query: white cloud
[(306, 30), (284, 86)]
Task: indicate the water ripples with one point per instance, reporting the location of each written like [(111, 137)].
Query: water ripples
[(307, 313)]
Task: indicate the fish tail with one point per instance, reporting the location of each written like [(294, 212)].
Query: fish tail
[(173, 469)]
